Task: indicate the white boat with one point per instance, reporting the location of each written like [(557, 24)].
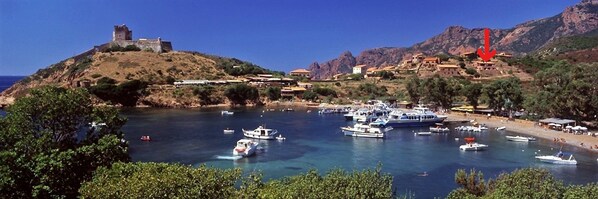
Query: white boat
[(423, 133), (227, 112), (260, 133), (501, 128), (558, 158), (520, 138), (419, 116), (245, 147), (439, 129), (228, 131), (471, 145), (372, 130), (279, 137)]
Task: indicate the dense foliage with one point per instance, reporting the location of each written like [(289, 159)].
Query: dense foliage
[(522, 183), (414, 89), (273, 93), (472, 92), (161, 180), (310, 96), (504, 94), (335, 184), (117, 48), (324, 91), (236, 67), (47, 146), (126, 93), (241, 93), (371, 90), (205, 94), (440, 91), (566, 90)]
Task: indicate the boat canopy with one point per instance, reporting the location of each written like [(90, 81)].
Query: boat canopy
[(469, 139)]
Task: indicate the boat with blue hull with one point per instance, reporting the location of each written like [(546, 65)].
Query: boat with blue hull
[(419, 116)]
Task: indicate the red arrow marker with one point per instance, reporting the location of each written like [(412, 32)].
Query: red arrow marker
[(486, 55)]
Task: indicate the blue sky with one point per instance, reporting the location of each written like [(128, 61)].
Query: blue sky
[(276, 34)]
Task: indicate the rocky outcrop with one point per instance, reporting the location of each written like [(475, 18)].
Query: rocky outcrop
[(521, 39), (342, 64)]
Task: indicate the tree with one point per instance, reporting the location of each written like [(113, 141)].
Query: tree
[(414, 89), (581, 191), (372, 90), (161, 180), (273, 93), (49, 147), (205, 94), (241, 93), (472, 92), (566, 90), (440, 91), (335, 184), (472, 184), (325, 91), (526, 183), (504, 94), (310, 95)]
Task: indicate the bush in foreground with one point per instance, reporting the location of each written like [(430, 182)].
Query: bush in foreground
[(162, 180)]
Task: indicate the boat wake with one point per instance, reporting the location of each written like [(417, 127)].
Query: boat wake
[(223, 157)]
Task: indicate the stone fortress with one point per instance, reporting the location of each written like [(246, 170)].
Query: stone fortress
[(122, 36)]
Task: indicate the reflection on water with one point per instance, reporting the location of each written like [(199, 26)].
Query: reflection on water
[(195, 137)]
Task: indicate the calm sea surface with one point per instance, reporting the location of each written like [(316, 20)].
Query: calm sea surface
[(193, 136), (7, 81)]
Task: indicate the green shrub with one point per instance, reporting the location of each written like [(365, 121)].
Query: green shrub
[(241, 93), (310, 95), (160, 180), (273, 93), (325, 91), (95, 76)]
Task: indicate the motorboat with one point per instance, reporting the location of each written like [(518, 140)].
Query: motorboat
[(471, 145), (227, 112), (245, 147), (558, 158), (279, 137), (419, 116), (371, 130), (229, 131), (146, 138), (520, 138), (260, 133), (439, 129), (502, 128), (287, 110), (423, 133)]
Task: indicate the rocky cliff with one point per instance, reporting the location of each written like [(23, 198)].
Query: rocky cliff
[(521, 39)]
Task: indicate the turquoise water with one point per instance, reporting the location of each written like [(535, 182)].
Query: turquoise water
[(193, 136)]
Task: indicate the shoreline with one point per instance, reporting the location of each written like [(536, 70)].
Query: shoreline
[(531, 129)]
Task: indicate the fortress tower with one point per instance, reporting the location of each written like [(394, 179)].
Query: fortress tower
[(122, 32)]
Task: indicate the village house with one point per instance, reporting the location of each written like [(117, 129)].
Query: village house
[(292, 91), (359, 69), (448, 70), (417, 58), (304, 85), (338, 76), (504, 55), (486, 68), (431, 61), (301, 73)]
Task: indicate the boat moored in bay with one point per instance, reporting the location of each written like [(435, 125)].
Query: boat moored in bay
[(558, 158), (245, 147), (260, 133)]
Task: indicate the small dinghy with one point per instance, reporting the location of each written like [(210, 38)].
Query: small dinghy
[(146, 138), (229, 131), (501, 128), (279, 137)]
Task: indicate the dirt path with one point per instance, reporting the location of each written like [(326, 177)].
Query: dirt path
[(590, 143)]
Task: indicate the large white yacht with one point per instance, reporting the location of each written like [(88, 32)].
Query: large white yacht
[(419, 116)]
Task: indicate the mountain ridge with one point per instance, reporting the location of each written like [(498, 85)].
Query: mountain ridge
[(522, 39)]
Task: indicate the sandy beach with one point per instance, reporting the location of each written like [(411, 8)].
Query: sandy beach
[(529, 128)]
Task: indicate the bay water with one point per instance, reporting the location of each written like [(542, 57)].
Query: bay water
[(195, 137)]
